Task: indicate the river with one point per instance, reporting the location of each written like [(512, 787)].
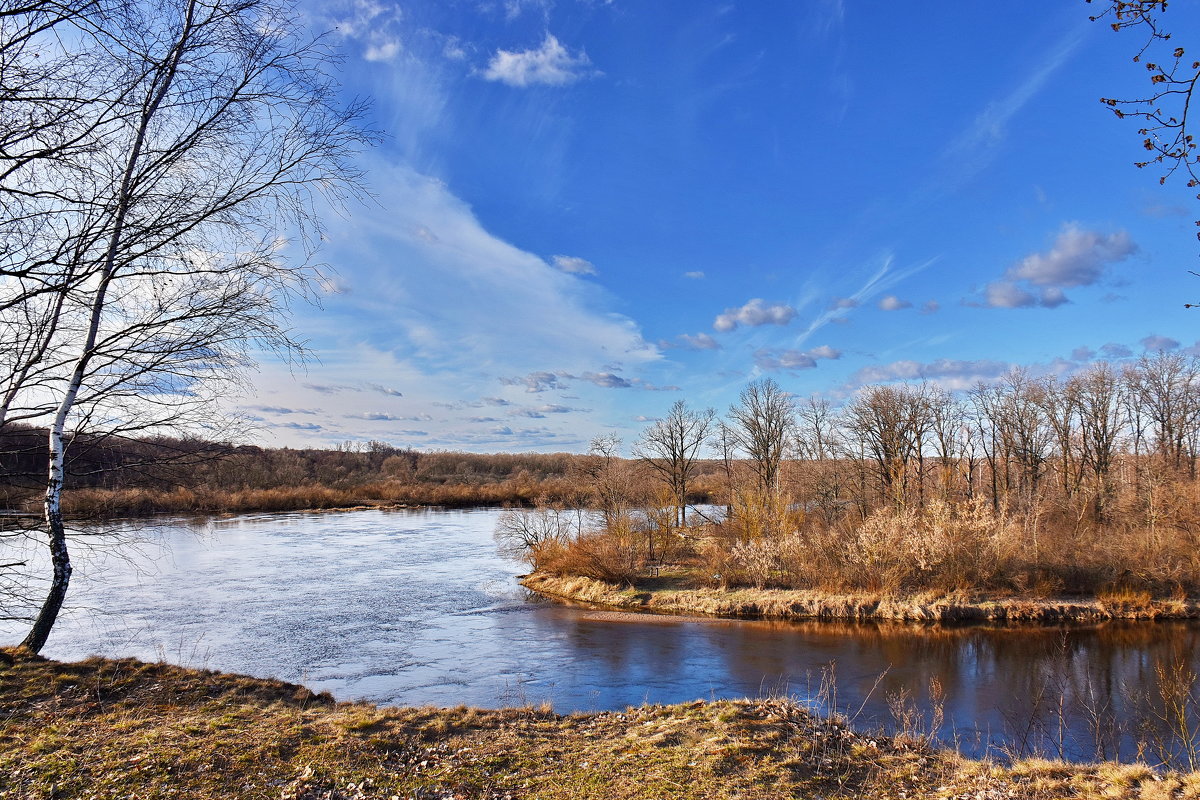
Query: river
[(416, 607)]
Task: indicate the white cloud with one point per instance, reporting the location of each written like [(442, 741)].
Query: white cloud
[(771, 360), (686, 341), (931, 307), (514, 8), (1007, 294), (549, 65), (1154, 343), (607, 380), (695, 275), (385, 390), (952, 374), (892, 303), (1077, 258), (754, 313), (383, 50), (374, 25), (375, 416), (443, 309), (574, 265), (536, 381)]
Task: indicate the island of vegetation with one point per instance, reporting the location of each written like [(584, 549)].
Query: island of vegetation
[(1027, 499)]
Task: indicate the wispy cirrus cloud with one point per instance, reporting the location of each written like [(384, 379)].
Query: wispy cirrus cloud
[(885, 276), (978, 144)]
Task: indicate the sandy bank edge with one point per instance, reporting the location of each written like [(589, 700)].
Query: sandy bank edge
[(789, 604)]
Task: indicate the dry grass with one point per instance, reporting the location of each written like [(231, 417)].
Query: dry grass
[(941, 549), (142, 502), (681, 593), (107, 729)]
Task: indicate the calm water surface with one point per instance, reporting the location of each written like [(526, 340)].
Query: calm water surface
[(416, 607)]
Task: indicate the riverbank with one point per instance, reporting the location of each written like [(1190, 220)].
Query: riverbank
[(121, 728), (674, 595)]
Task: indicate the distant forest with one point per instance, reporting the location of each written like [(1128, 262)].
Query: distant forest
[(109, 475)]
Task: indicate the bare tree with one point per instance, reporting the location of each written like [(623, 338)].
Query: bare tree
[(947, 424), (1026, 427), (1060, 402), (1166, 386), (1101, 414), (763, 421), (670, 448), (173, 266), (819, 442), (610, 477), (892, 423)]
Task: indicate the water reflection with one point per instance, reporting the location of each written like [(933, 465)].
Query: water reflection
[(416, 608)]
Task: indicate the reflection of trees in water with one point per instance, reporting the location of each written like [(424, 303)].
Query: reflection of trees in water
[(1077, 692)]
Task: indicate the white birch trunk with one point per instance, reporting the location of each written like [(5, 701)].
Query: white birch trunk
[(60, 557)]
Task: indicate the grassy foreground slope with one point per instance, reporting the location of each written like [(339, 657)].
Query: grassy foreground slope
[(121, 728)]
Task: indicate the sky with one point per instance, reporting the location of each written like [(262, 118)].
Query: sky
[(584, 211)]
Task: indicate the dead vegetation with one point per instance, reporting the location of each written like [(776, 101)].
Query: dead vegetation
[(678, 594), (121, 728)]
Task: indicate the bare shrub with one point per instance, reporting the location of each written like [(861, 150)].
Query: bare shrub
[(527, 533), (756, 562), (613, 554)]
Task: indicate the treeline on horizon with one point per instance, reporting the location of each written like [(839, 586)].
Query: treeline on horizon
[(109, 476)]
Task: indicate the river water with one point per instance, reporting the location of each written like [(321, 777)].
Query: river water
[(417, 607)]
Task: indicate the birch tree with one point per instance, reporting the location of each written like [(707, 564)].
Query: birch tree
[(217, 131)]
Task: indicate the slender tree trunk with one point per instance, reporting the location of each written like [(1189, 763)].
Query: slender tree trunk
[(59, 555), (60, 558)]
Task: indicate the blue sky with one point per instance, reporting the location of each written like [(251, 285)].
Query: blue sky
[(587, 210)]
